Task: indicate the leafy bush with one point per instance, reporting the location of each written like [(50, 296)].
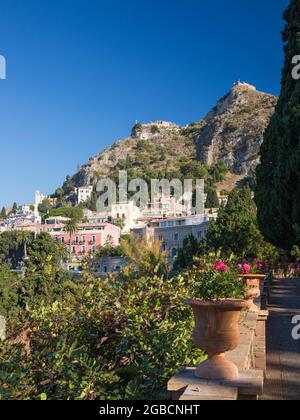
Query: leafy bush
[(71, 212), (103, 340)]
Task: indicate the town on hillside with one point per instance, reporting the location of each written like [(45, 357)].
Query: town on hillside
[(164, 221)]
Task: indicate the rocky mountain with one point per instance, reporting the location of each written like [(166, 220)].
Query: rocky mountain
[(231, 132)]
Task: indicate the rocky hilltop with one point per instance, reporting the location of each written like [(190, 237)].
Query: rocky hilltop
[(231, 132)]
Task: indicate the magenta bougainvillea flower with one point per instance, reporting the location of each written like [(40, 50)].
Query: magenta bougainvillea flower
[(220, 266), (258, 266), (246, 268)]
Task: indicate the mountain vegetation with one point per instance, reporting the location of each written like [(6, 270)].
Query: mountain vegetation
[(230, 135)]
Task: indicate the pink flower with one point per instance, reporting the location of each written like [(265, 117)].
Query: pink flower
[(220, 266), (246, 268), (258, 266)]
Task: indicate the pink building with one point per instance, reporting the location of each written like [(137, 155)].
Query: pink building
[(88, 238)]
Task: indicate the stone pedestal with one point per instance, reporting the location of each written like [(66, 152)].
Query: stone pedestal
[(185, 385), (249, 357)]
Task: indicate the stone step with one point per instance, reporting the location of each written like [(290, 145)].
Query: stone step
[(209, 393)]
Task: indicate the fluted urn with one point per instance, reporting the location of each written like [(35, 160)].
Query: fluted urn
[(217, 332), (252, 286)]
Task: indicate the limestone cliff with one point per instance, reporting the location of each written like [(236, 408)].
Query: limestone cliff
[(233, 130)]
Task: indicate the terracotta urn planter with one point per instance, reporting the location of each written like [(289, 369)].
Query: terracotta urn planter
[(252, 283), (216, 332)]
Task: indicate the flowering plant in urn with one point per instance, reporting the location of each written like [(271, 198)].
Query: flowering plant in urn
[(217, 304), (250, 274)]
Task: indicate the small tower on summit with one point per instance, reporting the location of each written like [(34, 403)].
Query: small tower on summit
[(244, 84)]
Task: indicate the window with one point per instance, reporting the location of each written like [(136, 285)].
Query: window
[(199, 234), (174, 252), (105, 269), (176, 237), (93, 238), (73, 250), (77, 239), (83, 249), (93, 249), (118, 269)]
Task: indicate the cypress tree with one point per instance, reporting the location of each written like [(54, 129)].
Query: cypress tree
[(278, 176), (3, 213), (235, 230), (212, 201)]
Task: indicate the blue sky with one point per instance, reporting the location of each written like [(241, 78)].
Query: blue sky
[(81, 72)]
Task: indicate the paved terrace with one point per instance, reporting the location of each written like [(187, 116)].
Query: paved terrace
[(268, 357), (283, 352)]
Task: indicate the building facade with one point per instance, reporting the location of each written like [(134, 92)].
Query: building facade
[(84, 194), (172, 232), (88, 237)]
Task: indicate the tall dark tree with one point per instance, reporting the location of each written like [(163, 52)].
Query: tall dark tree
[(68, 186), (278, 176), (3, 213), (235, 230), (212, 201)]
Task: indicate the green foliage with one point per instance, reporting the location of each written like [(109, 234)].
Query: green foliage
[(236, 230), (214, 284), (154, 129), (104, 340), (13, 245), (295, 253), (278, 176), (3, 213), (212, 201), (45, 207), (145, 259), (135, 128), (185, 254), (9, 283), (91, 204), (70, 212), (109, 251), (68, 186), (120, 223), (43, 277)]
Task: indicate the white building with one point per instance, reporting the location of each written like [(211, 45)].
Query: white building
[(22, 217), (128, 212), (84, 193)]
